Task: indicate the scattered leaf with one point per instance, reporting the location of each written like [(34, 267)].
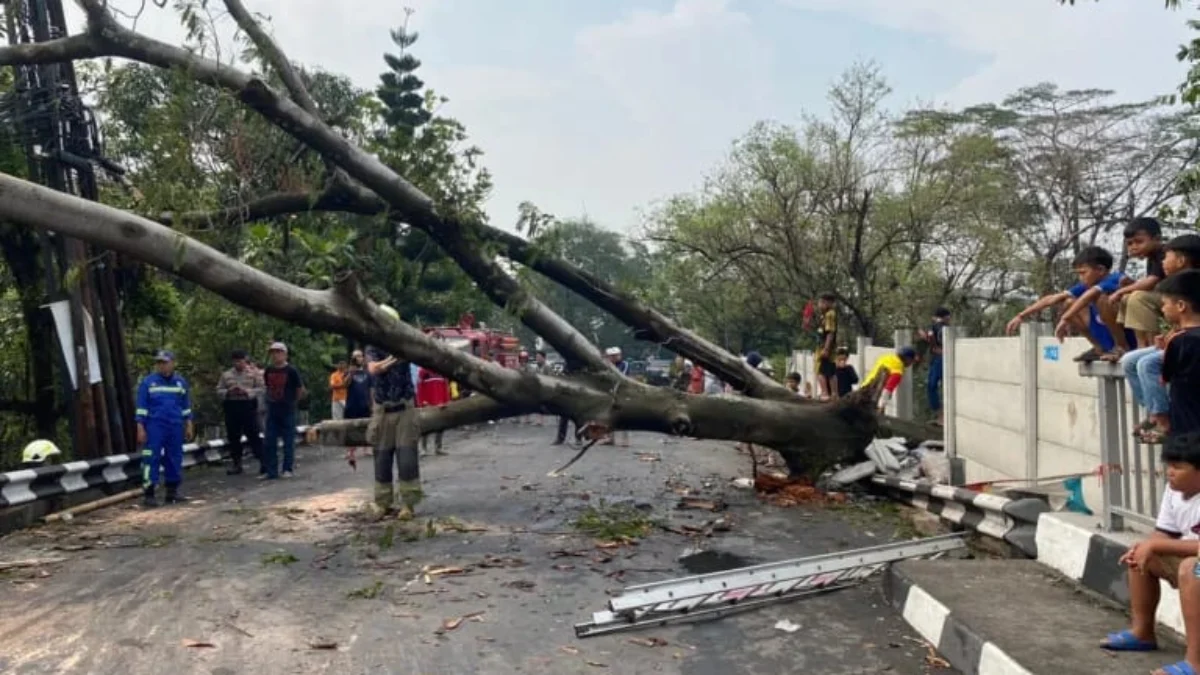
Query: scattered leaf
[(569, 650), (197, 644), (649, 641), (322, 644), (786, 626), (596, 664), (451, 624)]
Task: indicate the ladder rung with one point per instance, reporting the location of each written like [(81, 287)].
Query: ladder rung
[(812, 572)]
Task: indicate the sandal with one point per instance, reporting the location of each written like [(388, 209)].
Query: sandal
[(1089, 356), (1126, 641), (1113, 356), (1153, 436), (1181, 668)]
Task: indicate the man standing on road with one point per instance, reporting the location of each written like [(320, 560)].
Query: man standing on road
[(239, 389), (164, 419), (284, 388), (394, 431), (618, 360)]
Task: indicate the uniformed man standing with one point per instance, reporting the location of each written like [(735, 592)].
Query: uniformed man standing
[(164, 419), (394, 430)]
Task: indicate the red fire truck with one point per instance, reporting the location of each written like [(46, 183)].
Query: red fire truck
[(492, 345)]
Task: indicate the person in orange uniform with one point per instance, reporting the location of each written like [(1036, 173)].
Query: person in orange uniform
[(339, 383), (895, 364)]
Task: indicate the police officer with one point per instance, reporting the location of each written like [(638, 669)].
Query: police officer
[(164, 419)]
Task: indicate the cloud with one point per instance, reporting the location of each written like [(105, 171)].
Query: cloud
[(1125, 46)]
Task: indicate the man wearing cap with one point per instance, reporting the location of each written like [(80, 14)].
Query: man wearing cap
[(164, 420), (618, 360), (284, 387), (894, 364), (238, 389), (394, 430)]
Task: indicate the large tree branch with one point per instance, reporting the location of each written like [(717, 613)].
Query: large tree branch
[(273, 55), (648, 323), (830, 432), (417, 208)]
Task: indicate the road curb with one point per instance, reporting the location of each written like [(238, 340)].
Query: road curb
[(956, 641)]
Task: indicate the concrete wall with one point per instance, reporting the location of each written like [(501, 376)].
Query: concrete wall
[(989, 417)]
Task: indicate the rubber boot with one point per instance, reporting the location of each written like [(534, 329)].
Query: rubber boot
[(148, 499), (173, 496), (382, 504), (409, 494)]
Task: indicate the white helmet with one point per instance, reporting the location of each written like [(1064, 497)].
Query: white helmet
[(39, 451), (390, 311)]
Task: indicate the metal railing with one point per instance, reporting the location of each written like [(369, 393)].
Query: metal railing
[(1129, 476)]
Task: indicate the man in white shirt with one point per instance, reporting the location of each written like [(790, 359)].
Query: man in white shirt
[(1169, 554)]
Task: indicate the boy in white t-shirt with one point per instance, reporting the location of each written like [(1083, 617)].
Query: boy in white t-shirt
[(1170, 554)]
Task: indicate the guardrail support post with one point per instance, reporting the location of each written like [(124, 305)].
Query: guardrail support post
[(1029, 390), (904, 394), (860, 356), (1110, 451)]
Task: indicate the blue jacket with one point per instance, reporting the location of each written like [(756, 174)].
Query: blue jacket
[(165, 400)]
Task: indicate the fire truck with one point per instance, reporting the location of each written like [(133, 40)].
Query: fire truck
[(491, 345)]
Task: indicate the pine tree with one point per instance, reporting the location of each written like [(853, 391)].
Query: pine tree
[(401, 91)]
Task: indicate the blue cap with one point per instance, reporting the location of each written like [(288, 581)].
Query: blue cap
[(907, 353), (164, 355), (754, 358)]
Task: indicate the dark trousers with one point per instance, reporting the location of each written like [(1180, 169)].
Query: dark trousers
[(562, 429), (281, 426), (933, 386), (241, 419)]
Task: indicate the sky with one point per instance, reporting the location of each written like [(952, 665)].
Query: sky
[(601, 109)]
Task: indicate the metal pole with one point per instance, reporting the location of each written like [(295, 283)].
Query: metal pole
[(949, 345), (1029, 391)]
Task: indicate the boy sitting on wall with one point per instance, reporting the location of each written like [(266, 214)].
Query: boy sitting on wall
[(1138, 305), (1143, 367), (1169, 554), (1093, 266)]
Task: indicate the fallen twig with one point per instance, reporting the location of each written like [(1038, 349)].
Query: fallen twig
[(31, 562)]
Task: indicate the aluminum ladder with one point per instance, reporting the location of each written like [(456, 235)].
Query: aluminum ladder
[(721, 593)]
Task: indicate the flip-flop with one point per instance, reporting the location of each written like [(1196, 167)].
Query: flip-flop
[(1089, 356), (1181, 668), (1126, 641)]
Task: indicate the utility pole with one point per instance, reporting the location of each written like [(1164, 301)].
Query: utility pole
[(62, 149)]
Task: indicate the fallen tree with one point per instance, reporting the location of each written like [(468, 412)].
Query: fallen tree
[(597, 396)]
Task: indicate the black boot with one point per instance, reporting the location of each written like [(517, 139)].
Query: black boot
[(148, 499), (173, 496)]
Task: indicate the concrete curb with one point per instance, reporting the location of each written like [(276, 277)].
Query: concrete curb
[(965, 649), (1073, 545), (1014, 521)]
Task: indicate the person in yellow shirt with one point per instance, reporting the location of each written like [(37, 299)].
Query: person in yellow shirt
[(339, 383), (827, 331), (895, 364)]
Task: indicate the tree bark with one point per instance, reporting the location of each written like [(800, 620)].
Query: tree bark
[(601, 399)]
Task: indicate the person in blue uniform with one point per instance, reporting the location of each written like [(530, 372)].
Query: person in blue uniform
[(164, 420)]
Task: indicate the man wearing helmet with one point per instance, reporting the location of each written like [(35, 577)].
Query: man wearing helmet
[(894, 364), (394, 430), (164, 420)]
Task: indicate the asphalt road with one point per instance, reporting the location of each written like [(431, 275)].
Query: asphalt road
[(288, 577)]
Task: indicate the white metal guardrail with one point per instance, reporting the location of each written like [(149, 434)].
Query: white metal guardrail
[(29, 485), (1129, 476)]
